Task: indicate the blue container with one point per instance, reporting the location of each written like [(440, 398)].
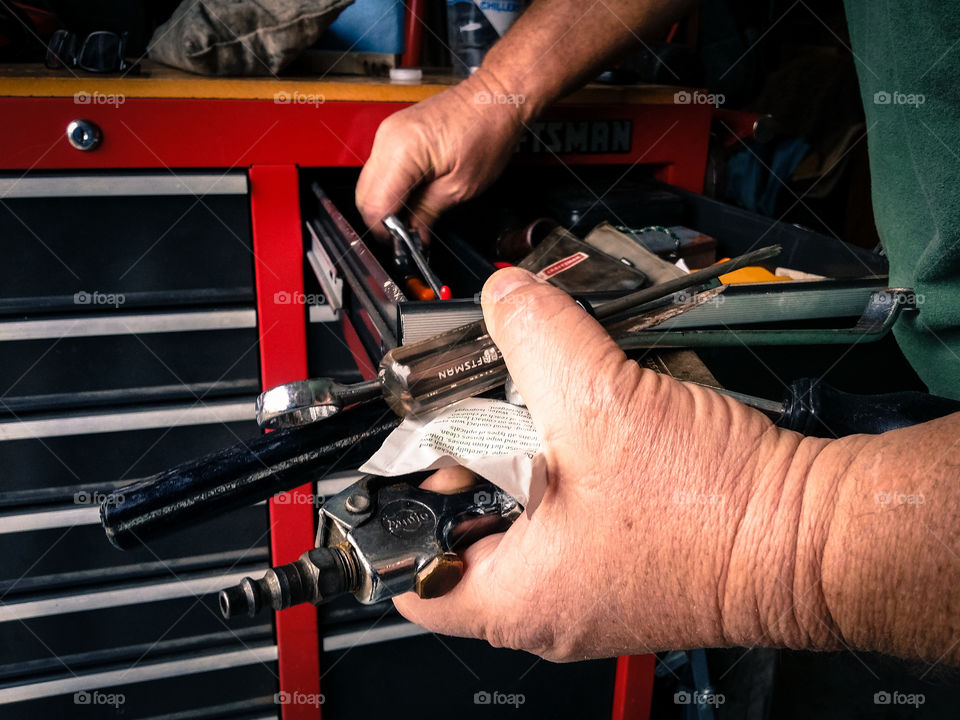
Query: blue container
[(373, 26)]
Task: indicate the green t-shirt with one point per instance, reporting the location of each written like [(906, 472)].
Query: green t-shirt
[(908, 61)]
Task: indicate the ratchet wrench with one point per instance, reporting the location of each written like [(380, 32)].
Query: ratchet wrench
[(405, 239)]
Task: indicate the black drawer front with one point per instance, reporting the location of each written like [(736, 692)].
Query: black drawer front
[(241, 536), (128, 345), (238, 692), (57, 468), (151, 250), (119, 635), (35, 374)]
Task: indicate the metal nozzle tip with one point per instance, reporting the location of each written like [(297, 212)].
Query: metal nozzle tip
[(319, 574), (240, 599)]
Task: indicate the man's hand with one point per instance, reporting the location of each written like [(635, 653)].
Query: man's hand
[(450, 147), (661, 498), (438, 153), (675, 517)]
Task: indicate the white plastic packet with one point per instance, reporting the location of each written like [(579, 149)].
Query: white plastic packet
[(494, 439)]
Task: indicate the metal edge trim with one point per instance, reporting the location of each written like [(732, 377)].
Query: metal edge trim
[(106, 185), (206, 414), (49, 519), (70, 517), (118, 597), (100, 325), (383, 633), (147, 671)]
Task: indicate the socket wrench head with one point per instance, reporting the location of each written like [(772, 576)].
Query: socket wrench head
[(306, 401), (299, 403)]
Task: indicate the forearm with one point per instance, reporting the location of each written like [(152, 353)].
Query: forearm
[(891, 555), (852, 543), (558, 45)]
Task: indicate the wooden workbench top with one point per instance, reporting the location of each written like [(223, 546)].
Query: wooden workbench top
[(159, 81)]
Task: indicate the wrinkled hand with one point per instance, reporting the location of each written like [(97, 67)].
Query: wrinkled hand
[(437, 153), (666, 518)]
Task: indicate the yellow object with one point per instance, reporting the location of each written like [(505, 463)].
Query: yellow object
[(159, 81), (751, 274)]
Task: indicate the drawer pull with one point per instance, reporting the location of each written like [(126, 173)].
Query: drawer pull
[(84, 135)]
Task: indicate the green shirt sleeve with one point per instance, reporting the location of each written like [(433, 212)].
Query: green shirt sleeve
[(908, 61)]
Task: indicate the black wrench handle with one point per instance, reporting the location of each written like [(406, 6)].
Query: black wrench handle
[(242, 475)]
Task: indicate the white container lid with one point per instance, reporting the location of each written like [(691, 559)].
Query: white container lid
[(406, 75)]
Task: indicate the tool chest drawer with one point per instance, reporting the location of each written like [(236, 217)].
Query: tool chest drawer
[(203, 685), (236, 538), (466, 245), (106, 622), (149, 238), (132, 367), (55, 458), (78, 615), (128, 344), (471, 672), (464, 251)]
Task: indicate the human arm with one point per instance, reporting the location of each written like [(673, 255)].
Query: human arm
[(449, 147), (675, 517)]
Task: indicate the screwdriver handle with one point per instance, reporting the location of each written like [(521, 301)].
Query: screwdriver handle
[(815, 408), (440, 370), (464, 362)]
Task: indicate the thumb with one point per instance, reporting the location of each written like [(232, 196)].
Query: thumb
[(465, 610), (562, 361)]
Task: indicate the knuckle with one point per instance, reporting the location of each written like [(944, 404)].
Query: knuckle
[(388, 126), (533, 636)]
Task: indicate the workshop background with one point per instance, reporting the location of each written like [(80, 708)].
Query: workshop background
[(178, 237)]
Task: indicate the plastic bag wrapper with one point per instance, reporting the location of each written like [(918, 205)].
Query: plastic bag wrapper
[(494, 439)]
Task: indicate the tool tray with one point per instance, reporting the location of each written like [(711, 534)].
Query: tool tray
[(463, 251)]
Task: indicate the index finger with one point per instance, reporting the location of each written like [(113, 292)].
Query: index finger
[(388, 178)]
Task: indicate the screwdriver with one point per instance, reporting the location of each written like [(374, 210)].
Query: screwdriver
[(456, 364), (813, 407)]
